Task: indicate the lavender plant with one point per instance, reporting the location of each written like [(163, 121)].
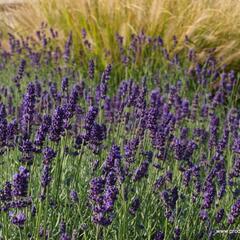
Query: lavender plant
[(145, 149)]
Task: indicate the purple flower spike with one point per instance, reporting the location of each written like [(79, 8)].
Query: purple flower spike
[(43, 130), (46, 177), (91, 69), (96, 188), (20, 73), (20, 182), (56, 129), (209, 194), (64, 84), (141, 171), (235, 212), (90, 118), (6, 193), (28, 110), (104, 81), (48, 155)]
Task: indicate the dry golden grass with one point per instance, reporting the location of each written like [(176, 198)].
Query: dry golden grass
[(208, 23)]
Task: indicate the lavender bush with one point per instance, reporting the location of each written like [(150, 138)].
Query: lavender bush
[(144, 148)]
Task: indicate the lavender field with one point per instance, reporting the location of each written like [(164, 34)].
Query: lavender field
[(146, 146)]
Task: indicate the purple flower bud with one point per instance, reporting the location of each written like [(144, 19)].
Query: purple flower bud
[(46, 176), (62, 227), (99, 218), (3, 113), (65, 236), (203, 214), (64, 84), (33, 211), (74, 196), (3, 131), (185, 108), (170, 198), (91, 69), (177, 233), (67, 48), (134, 206), (159, 235), (84, 33), (159, 183), (219, 215), (18, 219), (6, 193)]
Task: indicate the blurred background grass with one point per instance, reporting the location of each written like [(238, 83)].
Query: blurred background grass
[(210, 24)]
